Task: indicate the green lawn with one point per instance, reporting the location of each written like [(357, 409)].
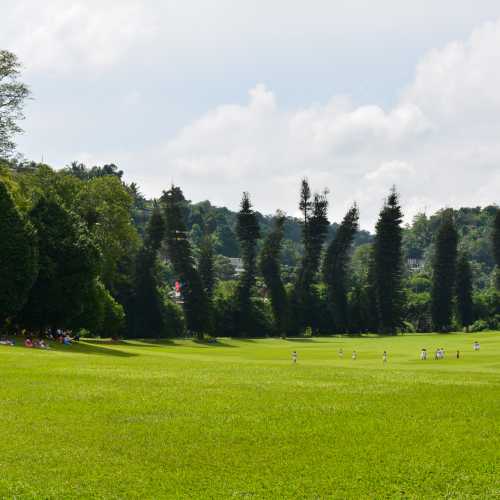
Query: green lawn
[(237, 419)]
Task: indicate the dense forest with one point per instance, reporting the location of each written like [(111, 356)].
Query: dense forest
[(83, 250)]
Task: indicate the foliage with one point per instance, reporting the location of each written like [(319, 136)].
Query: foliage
[(465, 305), (335, 270), (271, 271), (496, 246), (195, 300), (13, 93), (304, 301), (18, 256), (68, 266), (387, 262), (248, 232), (444, 273)]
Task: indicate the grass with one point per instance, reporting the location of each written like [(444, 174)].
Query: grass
[(186, 420)]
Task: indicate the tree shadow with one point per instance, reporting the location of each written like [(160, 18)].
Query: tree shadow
[(84, 347), (218, 343)]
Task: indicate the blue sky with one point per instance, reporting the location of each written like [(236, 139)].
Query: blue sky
[(225, 96)]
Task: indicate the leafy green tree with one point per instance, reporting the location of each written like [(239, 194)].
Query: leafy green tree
[(444, 273), (464, 291), (335, 269), (13, 93), (195, 300), (68, 267), (105, 205), (496, 246), (248, 232), (271, 271), (387, 272), (18, 257)]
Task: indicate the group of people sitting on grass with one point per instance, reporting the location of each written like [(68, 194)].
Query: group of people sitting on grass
[(40, 344), (61, 336)]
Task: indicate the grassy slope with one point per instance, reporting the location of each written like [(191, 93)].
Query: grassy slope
[(186, 420)]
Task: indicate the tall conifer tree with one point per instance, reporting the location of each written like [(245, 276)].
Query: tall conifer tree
[(444, 273), (148, 311), (496, 246), (335, 269), (464, 291), (314, 229), (195, 301), (248, 232), (270, 267), (387, 254)]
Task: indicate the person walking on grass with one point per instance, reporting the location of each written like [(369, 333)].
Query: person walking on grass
[(294, 357), (423, 354), (458, 354)]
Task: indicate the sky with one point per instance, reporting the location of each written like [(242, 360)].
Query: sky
[(226, 96)]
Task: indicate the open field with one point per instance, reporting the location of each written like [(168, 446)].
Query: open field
[(237, 419)]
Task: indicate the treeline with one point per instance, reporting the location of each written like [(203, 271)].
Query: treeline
[(78, 251)]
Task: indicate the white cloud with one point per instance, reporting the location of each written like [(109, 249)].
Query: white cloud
[(77, 36), (439, 144)]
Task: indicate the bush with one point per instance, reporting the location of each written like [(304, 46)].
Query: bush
[(479, 326)]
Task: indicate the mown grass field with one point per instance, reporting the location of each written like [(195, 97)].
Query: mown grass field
[(237, 419)]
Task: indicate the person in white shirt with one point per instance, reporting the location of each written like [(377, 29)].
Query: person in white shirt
[(423, 354), (294, 357)]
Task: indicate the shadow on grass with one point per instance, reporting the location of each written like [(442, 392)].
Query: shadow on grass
[(212, 344), (85, 347)]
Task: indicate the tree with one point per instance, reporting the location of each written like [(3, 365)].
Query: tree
[(105, 205), (206, 265), (315, 225), (335, 269), (444, 273), (464, 291), (68, 267), (496, 246), (13, 93), (248, 232), (387, 272), (18, 257), (271, 271), (195, 301), (148, 315)]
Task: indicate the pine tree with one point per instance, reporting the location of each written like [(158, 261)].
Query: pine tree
[(335, 269), (464, 291), (304, 301), (195, 301), (248, 232), (496, 246), (270, 267), (148, 308), (444, 273), (388, 265), (206, 265), (18, 257)]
